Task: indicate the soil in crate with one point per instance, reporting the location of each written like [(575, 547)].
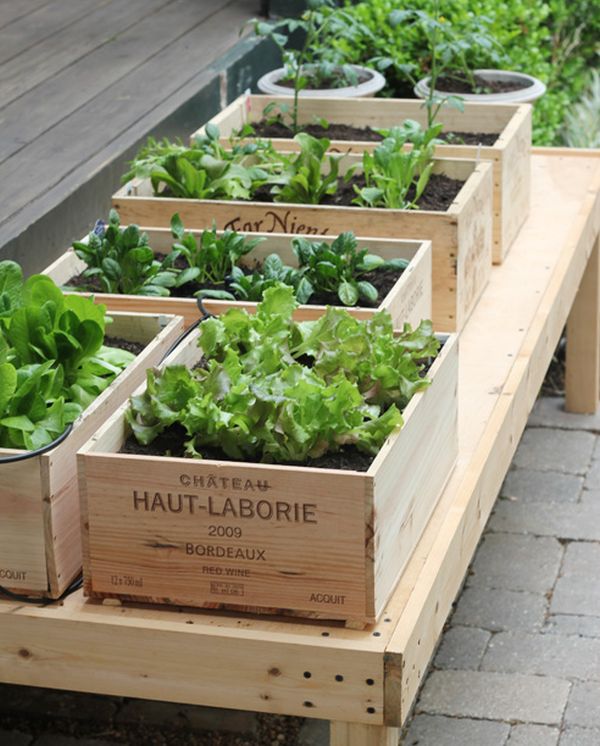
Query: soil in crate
[(172, 443), (335, 131), (124, 344)]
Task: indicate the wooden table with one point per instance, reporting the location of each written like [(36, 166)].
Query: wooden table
[(365, 682)]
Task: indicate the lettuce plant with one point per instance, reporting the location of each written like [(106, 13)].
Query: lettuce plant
[(304, 178), (276, 390), (123, 262), (391, 170), (53, 362)]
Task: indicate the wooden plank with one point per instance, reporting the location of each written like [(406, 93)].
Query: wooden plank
[(582, 382), (23, 34), (503, 360), (53, 101), (353, 734), (11, 11), (99, 25), (75, 144)]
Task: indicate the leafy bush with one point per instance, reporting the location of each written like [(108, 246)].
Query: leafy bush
[(276, 390), (557, 41), (582, 124), (53, 363)]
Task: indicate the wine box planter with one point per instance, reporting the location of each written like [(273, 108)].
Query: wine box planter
[(322, 543), (409, 300), (461, 236), (40, 539), (510, 154)]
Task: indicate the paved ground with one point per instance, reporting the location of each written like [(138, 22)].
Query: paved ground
[(519, 664)]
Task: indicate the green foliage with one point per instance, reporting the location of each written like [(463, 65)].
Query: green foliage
[(339, 267), (556, 40), (252, 287), (308, 176), (256, 400), (582, 123), (207, 170), (52, 360), (390, 170), (123, 262), (211, 259)]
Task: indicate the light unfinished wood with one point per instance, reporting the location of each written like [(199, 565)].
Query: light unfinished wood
[(258, 663), (354, 734), (40, 538), (409, 300), (582, 384), (211, 533), (510, 154), (452, 301)]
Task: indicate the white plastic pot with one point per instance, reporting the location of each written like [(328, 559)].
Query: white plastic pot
[(269, 84), (533, 90)]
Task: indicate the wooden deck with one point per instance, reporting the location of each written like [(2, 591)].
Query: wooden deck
[(81, 83)]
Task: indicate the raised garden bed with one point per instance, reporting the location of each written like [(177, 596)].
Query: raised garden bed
[(319, 542), (40, 533), (510, 153), (409, 300), (461, 235)]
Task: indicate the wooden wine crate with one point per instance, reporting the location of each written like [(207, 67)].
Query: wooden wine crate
[(510, 154), (321, 543), (461, 236), (40, 540), (408, 300)]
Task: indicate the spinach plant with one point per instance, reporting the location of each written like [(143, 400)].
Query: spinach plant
[(212, 258), (275, 390), (207, 170), (391, 170), (53, 362), (252, 287), (123, 262), (339, 267), (309, 176)]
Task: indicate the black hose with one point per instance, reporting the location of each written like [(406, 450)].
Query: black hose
[(38, 452), (43, 600)]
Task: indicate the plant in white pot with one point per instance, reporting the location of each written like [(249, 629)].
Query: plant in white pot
[(315, 70), (450, 75)]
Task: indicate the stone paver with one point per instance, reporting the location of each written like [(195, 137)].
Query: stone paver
[(14, 738), (499, 609), (314, 733), (579, 521), (546, 655), (579, 737), (516, 563), (572, 624), (436, 730), (592, 478), (533, 735), (549, 411), (495, 696), (462, 647), (577, 590), (583, 707), (557, 450), (532, 484)]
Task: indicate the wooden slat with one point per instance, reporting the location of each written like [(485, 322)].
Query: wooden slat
[(582, 384), (10, 11), (353, 734), (100, 23)]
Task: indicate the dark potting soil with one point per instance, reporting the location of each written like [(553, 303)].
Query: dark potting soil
[(91, 284), (171, 443), (459, 84), (364, 134), (440, 193), (124, 344), (335, 131)]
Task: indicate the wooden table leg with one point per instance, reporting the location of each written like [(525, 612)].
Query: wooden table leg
[(583, 342), (356, 734)]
